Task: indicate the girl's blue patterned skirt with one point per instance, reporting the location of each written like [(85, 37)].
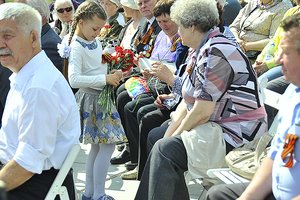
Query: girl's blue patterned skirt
[(96, 128)]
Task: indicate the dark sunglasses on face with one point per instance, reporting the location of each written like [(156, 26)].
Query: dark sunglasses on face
[(67, 9)]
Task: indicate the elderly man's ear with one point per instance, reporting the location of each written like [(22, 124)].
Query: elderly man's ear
[(35, 41)]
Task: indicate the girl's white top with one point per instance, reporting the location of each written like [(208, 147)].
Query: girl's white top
[(86, 69)]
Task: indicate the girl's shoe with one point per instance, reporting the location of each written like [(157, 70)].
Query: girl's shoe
[(86, 198), (106, 197)]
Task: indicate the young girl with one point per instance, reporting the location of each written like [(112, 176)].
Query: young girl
[(86, 72)]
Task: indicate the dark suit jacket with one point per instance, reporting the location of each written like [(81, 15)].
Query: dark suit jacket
[(49, 44), (141, 47), (4, 87)]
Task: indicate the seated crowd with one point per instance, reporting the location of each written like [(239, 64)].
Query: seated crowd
[(171, 84)]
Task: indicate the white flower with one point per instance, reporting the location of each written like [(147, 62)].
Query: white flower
[(64, 50)]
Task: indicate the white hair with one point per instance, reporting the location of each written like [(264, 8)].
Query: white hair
[(41, 6), (59, 2), (26, 17), (203, 14)]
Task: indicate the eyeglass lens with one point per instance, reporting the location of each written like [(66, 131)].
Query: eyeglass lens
[(67, 9)]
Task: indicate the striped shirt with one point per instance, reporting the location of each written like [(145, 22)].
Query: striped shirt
[(219, 72)]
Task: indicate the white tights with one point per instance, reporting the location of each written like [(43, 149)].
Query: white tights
[(96, 169)]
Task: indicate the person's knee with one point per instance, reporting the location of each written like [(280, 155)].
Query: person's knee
[(122, 98), (215, 193), (145, 119), (140, 115), (129, 107), (164, 145)]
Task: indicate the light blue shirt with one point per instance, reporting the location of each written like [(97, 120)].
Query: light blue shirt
[(286, 181)]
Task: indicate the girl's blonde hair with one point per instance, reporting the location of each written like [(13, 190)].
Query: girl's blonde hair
[(86, 11)]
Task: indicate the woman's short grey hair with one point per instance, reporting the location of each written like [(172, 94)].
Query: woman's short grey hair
[(203, 14), (26, 17), (41, 6)]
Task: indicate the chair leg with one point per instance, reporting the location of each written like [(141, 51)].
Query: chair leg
[(202, 194), (63, 193)]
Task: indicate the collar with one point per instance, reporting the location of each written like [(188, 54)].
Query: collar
[(19, 79), (91, 45), (210, 34), (151, 20)]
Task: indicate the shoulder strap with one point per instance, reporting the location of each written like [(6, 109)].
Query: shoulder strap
[(262, 144)]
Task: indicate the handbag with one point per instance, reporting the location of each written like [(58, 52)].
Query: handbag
[(136, 86), (245, 160), (206, 149)]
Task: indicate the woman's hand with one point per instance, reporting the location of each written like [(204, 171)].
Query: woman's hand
[(162, 72), (146, 74), (113, 79), (243, 45), (160, 99), (260, 67), (136, 59)]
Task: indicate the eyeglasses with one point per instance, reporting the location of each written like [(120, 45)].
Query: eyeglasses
[(62, 10)]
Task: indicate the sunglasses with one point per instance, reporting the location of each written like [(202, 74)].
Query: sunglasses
[(62, 10)]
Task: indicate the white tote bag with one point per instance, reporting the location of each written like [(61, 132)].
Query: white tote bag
[(206, 149)]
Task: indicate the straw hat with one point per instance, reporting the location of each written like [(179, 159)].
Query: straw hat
[(130, 4)]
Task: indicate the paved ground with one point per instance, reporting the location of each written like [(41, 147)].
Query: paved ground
[(115, 186)]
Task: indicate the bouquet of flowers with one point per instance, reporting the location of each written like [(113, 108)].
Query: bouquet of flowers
[(121, 60)]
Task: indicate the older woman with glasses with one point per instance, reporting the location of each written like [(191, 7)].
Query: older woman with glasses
[(220, 102), (64, 11)]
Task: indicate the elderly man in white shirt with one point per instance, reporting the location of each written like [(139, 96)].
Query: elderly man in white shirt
[(41, 120)]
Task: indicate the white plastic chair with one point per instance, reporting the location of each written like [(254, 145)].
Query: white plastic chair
[(57, 188)]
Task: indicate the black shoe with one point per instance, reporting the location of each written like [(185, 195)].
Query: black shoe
[(122, 158), (120, 147), (130, 166)]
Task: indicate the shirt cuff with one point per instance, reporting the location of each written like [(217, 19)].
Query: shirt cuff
[(29, 158)]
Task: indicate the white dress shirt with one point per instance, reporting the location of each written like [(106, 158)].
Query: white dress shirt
[(41, 118)]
